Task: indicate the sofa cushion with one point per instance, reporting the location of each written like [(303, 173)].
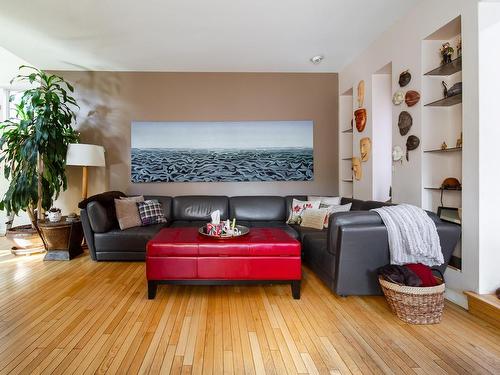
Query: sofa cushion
[(274, 224), (304, 231), (258, 208), (166, 203), (199, 207), (289, 200), (357, 204), (132, 239), (100, 217), (107, 202)]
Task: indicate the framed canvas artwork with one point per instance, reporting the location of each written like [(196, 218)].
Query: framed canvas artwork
[(222, 151)]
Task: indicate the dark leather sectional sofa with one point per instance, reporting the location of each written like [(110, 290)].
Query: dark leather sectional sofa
[(345, 256)]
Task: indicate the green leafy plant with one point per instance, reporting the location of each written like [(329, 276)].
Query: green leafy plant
[(33, 145)]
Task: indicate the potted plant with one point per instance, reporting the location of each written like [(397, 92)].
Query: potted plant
[(33, 147)]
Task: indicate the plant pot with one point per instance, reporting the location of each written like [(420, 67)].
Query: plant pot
[(25, 239), (54, 216)]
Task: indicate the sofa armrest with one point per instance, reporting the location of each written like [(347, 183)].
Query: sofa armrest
[(88, 233), (98, 217), (339, 219), (449, 235), (361, 250)]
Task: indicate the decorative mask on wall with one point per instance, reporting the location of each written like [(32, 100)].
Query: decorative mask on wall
[(404, 78), (365, 146), (361, 93), (412, 143), (397, 154), (356, 168), (360, 118), (404, 123), (412, 98), (398, 97)]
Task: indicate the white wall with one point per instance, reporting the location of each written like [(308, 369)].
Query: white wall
[(382, 136), (489, 136), (402, 45)]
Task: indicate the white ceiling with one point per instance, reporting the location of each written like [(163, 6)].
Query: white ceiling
[(194, 35)]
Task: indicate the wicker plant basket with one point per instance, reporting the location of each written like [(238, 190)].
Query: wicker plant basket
[(415, 305)]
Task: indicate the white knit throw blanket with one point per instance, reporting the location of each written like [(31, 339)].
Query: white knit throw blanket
[(413, 237)]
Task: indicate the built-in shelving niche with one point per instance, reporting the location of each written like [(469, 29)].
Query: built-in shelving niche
[(441, 122), (345, 143)]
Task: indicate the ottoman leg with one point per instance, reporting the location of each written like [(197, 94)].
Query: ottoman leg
[(296, 289), (152, 285)]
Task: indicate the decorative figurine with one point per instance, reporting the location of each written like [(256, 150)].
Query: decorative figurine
[(460, 140), (397, 154), (444, 146), (405, 123), (412, 143), (398, 97), (361, 93), (412, 98), (357, 168), (365, 146), (404, 78), (360, 118), (446, 53)]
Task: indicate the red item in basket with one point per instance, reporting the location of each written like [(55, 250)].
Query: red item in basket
[(423, 272)]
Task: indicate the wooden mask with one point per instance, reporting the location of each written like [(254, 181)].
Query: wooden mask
[(360, 118), (356, 168), (365, 146), (361, 93)]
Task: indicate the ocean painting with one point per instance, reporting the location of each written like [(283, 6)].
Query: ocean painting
[(222, 151)]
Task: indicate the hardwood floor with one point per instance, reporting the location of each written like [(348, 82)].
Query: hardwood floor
[(86, 317)]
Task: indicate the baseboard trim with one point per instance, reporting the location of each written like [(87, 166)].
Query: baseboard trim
[(484, 306), (457, 297)]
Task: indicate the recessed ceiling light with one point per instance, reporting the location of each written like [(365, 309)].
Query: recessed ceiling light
[(317, 59)]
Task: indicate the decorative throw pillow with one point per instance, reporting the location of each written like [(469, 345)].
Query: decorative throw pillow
[(127, 212), (298, 208), (335, 208), (151, 212), (314, 218), (325, 200)]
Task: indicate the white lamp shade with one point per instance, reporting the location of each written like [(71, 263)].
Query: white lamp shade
[(85, 155)]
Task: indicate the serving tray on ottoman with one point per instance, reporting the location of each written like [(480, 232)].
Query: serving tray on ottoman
[(183, 256)]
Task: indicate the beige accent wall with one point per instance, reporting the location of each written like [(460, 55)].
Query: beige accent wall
[(110, 101)]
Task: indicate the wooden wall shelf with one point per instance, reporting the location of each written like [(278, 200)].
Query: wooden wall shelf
[(447, 69), (446, 102), (449, 149), (439, 189)]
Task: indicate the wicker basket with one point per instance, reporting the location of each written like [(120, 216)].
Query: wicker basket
[(415, 305)]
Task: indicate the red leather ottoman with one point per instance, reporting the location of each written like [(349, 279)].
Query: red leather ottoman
[(183, 256)]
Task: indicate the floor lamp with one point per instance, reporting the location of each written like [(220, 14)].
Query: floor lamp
[(85, 156)]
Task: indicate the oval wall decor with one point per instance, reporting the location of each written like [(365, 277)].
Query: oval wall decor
[(360, 118), (404, 78), (412, 98), (404, 123)]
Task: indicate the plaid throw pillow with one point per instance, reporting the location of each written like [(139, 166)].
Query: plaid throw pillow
[(151, 212)]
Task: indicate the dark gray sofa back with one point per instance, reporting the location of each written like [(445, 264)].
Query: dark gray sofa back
[(257, 208), (199, 207), (357, 204), (166, 203)]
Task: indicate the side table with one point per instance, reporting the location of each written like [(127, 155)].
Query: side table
[(63, 238)]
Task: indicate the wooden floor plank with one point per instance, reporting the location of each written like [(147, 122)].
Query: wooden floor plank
[(94, 317)]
